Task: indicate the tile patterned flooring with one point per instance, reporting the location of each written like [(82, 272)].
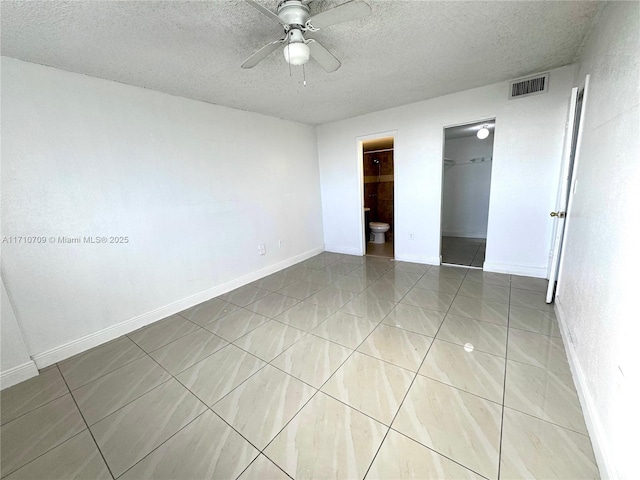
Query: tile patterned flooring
[(463, 251), (381, 249), (338, 367)]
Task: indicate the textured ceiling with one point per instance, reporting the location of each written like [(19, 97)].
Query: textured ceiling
[(406, 51)]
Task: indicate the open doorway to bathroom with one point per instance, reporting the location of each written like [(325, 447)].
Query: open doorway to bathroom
[(466, 184), (377, 168)]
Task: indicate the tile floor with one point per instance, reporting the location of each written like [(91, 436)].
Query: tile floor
[(463, 251), (381, 249), (338, 367)]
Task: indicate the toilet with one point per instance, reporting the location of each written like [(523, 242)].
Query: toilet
[(378, 230)]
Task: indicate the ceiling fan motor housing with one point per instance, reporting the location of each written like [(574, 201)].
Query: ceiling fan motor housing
[(293, 12)]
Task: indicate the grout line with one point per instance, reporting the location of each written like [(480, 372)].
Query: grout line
[(200, 360), (156, 324), (281, 469), (318, 390), (234, 388), (262, 359), (436, 452), (415, 376), (207, 408), (460, 389), (292, 375), (338, 368), (237, 309), (125, 404), (567, 373), (70, 393), (130, 402), (256, 459), (89, 429), (504, 385), (547, 421), (51, 449), (134, 399), (36, 408), (341, 365), (162, 443), (106, 373), (179, 338), (377, 324), (356, 409), (410, 386)]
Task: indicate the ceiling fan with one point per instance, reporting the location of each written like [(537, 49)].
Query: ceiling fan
[(295, 18)]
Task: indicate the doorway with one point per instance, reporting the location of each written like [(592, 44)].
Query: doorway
[(378, 190), (466, 185)]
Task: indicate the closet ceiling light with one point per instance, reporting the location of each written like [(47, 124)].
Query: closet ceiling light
[(483, 132)]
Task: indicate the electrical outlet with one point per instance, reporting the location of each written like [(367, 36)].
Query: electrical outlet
[(411, 236), (280, 243), (262, 249)]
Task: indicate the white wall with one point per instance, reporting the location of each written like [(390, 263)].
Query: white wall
[(194, 186), (597, 292), (466, 187), (15, 363), (526, 164)]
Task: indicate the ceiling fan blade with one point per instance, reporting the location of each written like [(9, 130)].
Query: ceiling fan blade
[(265, 11), (342, 13), (323, 56), (261, 54)]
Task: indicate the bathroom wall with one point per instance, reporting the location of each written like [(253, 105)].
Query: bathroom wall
[(527, 155), (378, 190), (466, 187), (194, 187)]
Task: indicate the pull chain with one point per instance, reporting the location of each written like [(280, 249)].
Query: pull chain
[(304, 76)]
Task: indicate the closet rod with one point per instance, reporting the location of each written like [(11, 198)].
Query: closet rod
[(473, 161)]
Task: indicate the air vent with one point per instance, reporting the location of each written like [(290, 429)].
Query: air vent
[(523, 87)]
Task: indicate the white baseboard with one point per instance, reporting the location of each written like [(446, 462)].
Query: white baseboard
[(591, 416), (20, 373), (343, 250), (418, 259), (524, 270), (62, 352)]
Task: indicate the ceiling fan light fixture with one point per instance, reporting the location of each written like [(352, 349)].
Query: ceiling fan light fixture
[(483, 132), (296, 53), (295, 18)]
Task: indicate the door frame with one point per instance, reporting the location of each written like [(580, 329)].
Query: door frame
[(359, 145), (493, 119)]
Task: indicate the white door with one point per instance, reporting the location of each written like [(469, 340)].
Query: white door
[(570, 156)]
